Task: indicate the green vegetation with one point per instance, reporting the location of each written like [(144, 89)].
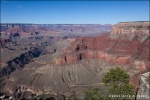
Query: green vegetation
[(73, 97), (97, 94), (117, 83), (92, 94), (117, 87)]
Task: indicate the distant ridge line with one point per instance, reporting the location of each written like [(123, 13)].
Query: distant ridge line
[(133, 21), (52, 24)]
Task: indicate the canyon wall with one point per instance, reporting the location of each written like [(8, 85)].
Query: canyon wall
[(19, 62), (114, 50), (131, 30), (83, 62), (126, 46)]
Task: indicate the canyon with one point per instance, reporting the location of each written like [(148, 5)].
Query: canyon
[(64, 63)]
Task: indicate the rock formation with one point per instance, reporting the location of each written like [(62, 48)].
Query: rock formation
[(19, 62), (144, 87), (82, 63), (131, 30), (133, 52)]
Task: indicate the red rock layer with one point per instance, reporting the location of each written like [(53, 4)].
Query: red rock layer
[(132, 54), (120, 51)]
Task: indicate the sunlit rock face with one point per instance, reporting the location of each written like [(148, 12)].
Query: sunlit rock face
[(130, 54), (121, 50), (144, 87), (131, 30)]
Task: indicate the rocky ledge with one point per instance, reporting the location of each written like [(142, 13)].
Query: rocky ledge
[(131, 30)]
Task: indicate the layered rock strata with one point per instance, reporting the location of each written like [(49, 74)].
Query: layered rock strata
[(85, 61)]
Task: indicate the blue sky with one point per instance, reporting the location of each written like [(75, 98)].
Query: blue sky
[(74, 12)]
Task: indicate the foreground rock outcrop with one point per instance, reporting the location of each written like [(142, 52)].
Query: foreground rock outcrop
[(144, 87)]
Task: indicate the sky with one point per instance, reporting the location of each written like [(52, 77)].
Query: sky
[(73, 12)]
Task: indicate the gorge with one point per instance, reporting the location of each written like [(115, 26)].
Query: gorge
[(66, 64)]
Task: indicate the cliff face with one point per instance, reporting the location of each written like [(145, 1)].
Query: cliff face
[(131, 30), (19, 62), (127, 46), (121, 50)]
